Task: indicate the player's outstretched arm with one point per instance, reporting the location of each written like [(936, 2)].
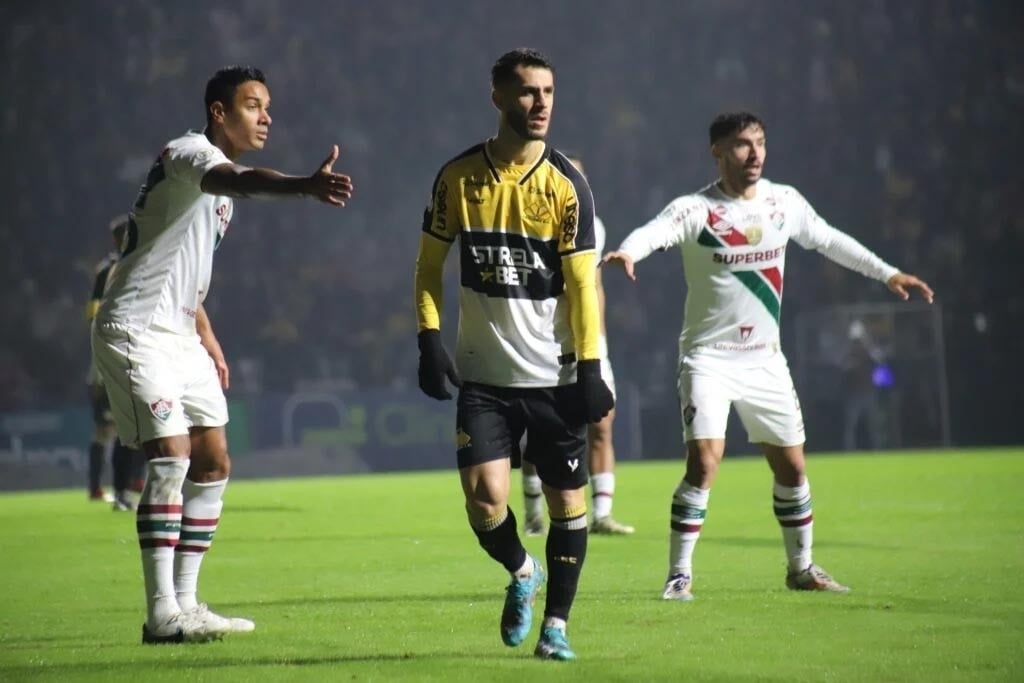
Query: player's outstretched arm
[(324, 184), (901, 282), (620, 258)]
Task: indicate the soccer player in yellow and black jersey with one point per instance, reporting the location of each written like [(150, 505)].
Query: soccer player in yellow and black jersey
[(127, 463), (528, 346)]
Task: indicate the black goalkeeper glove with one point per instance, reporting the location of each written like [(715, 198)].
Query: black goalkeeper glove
[(595, 398), (435, 365)]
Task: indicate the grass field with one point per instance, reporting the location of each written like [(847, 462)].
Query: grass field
[(379, 578)]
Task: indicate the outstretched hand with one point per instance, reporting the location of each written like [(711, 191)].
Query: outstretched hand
[(328, 186), (623, 259), (901, 282)]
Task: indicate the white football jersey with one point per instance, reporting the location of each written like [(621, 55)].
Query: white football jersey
[(600, 237), (167, 258), (734, 253)]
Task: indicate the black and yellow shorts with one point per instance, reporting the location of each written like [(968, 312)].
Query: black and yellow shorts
[(491, 421)]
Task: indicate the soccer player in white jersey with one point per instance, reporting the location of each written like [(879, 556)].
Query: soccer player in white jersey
[(152, 342), (600, 446), (733, 235)]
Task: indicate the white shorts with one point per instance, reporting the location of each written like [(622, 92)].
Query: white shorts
[(764, 396), (607, 375), (160, 384)]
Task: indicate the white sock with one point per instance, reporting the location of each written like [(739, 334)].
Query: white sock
[(533, 496), (689, 507), (526, 571), (158, 521), (200, 514), (602, 489), (554, 622), (793, 510)]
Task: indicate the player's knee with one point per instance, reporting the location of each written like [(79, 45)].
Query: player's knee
[(566, 504), (482, 514), (209, 467), (701, 466)]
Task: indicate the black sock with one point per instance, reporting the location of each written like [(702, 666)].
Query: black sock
[(503, 544), (96, 453), (566, 550), (121, 460), (138, 470)]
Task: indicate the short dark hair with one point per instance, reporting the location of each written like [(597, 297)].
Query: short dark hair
[(221, 87), (504, 69), (726, 124)]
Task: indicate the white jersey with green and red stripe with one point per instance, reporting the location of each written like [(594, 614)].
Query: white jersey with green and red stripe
[(734, 253)]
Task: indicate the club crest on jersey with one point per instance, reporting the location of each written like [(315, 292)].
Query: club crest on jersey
[(754, 235), (161, 408), (778, 219), (745, 331), (538, 210), (689, 412)]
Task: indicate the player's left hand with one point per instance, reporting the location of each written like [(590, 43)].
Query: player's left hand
[(328, 186), (223, 373), (595, 398), (901, 282)]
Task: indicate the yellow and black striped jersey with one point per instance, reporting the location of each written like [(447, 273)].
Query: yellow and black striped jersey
[(99, 284), (518, 228)]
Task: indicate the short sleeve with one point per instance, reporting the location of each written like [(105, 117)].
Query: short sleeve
[(190, 158), (576, 229), (439, 218)]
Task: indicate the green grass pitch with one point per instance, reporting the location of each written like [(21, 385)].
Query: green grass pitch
[(379, 578)]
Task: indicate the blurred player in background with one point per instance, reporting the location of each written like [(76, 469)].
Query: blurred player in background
[(529, 334), (126, 462), (600, 445), (163, 369), (733, 236)]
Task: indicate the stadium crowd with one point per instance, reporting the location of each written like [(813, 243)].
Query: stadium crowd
[(896, 120)]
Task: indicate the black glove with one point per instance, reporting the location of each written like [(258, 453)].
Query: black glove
[(435, 365), (595, 397)]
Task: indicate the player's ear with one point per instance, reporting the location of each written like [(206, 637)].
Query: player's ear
[(217, 112), (496, 99), (716, 151)]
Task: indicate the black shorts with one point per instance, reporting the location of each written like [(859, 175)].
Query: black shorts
[(490, 422)]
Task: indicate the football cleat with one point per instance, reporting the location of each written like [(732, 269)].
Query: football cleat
[(235, 624), (553, 645), (517, 615), (678, 588), (101, 496), (814, 578), (610, 527), (535, 526), (191, 626), (123, 502)]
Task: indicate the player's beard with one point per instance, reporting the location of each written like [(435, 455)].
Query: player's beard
[(519, 123), (740, 180)]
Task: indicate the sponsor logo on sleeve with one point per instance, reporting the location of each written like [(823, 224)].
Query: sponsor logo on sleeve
[(570, 224)]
